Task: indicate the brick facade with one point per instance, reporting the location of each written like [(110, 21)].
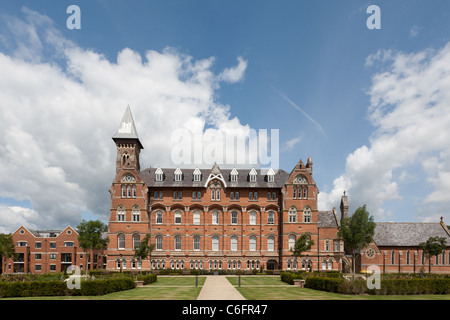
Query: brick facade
[(44, 251), (214, 218)]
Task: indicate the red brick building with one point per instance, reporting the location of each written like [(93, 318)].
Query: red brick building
[(215, 218), (395, 248), (44, 251), (221, 219)]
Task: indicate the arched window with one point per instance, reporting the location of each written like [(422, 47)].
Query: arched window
[(121, 241), (177, 217), (292, 214), (270, 243), (196, 243), (252, 246), (291, 241), (305, 192), (307, 215), (177, 242), (196, 217), (215, 243), (271, 217), (136, 240), (215, 217), (234, 217), (234, 243), (252, 217), (159, 242), (330, 264), (120, 213), (136, 212), (393, 257), (408, 257), (159, 217)]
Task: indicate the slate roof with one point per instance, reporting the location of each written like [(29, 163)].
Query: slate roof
[(407, 233), (327, 219), (148, 175)]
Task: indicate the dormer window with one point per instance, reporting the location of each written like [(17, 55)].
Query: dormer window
[(252, 175), (197, 175), (159, 175), (234, 175), (270, 175), (178, 175)]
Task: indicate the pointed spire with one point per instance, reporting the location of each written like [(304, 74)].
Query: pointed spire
[(127, 128)]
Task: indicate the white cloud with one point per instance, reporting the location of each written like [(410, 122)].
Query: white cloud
[(61, 104), (234, 74), (291, 143), (410, 110), (12, 217)]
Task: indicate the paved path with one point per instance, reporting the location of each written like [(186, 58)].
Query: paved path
[(219, 288)]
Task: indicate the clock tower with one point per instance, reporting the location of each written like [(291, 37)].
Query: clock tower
[(128, 223)]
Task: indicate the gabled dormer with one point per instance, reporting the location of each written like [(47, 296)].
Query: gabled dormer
[(234, 174), (270, 177), (252, 175), (159, 175), (197, 175), (178, 175)]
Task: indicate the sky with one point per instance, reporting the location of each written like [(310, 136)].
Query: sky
[(370, 106)]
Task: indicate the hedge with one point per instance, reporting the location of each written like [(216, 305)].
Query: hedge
[(148, 278), (34, 289), (387, 286), (289, 277), (105, 286), (59, 288)]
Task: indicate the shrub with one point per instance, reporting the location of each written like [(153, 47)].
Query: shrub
[(33, 289), (105, 286), (387, 286), (148, 278), (289, 277)]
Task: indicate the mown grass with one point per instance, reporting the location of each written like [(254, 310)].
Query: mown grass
[(272, 288)]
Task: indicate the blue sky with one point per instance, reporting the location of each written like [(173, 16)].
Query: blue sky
[(337, 92)]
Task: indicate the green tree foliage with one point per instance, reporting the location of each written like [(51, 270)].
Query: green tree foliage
[(6, 248), (145, 248), (433, 247), (90, 236), (357, 232), (302, 244)]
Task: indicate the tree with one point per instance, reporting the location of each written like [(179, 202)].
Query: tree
[(90, 237), (357, 232), (302, 244), (7, 249), (433, 247), (145, 248)]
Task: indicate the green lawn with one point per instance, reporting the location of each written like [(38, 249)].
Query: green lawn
[(165, 288), (252, 288), (272, 288)]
